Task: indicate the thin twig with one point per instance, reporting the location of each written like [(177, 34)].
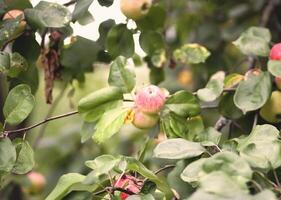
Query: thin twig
[(113, 189), (70, 3), (49, 114), (276, 178), (268, 11), (6, 133), (255, 120), (164, 168)]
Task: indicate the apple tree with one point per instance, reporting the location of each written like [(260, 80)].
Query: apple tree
[(205, 124)]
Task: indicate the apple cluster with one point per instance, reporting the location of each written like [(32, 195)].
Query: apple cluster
[(148, 103), (271, 110)]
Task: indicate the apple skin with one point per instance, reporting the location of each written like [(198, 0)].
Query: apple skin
[(128, 183), (275, 52), (144, 120), (135, 9), (37, 182), (12, 14), (150, 99), (271, 111)]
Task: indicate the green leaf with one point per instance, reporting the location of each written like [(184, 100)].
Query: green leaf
[(156, 75), (120, 41), (106, 3), (18, 105), (178, 149), (183, 189), (94, 114), (227, 107), (262, 147), (153, 20), (213, 89), (104, 28), (109, 124), (220, 183), (194, 172), (28, 47), (121, 76), (4, 62), (25, 157), (81, 9), (210, 137), (265, 194), (18, 64), (18, 4), (29, 77), (227, 162), (135, 165), (64, 185), (175, 126), (10, 29), (253, 93), (79, 56), (102, 164), (151, 42), (183, 103), (87, 131), (254, 41), (141, 197), (191, 54), (12, 64), (260, 32), (8, 155), (46, 14), (274, 67), (98, 98)]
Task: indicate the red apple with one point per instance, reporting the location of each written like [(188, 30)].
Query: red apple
[(37, 182), (275, 52), (150, 99)]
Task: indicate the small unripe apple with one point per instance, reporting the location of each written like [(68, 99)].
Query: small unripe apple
[(135, 9), (277, 81), (271, 111), (37, 182), (12, 14), (252, 72), (144, 120), (275, 52), (150, 99), (128, 183)]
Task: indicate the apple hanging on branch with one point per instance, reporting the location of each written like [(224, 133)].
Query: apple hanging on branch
[(148, 103), (135, 9)]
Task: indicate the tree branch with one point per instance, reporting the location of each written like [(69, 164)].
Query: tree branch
[(268, 11), (6, 133), (70, 3)]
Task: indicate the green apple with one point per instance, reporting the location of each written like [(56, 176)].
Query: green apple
[(135, 9), (144, 120), (271, 111)]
